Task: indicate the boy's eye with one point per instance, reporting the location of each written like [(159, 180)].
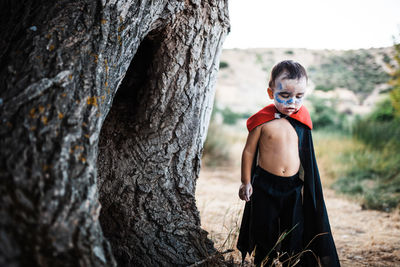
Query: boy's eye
[(284, 95), (299, 96)]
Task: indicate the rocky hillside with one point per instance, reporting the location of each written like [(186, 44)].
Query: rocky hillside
[(354, 79)]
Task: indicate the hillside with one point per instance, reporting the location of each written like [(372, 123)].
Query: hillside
[(354, 79)]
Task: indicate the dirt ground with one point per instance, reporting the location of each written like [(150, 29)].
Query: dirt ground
[(362, 237)]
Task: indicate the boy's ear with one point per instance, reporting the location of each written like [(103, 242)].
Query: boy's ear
[(270, 93)]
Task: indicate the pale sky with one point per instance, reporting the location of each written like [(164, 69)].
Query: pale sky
[(314, 24)]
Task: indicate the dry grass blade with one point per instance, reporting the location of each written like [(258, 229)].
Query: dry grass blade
[(281, 237), (295, 258)]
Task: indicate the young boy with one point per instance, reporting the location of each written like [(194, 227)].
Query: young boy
[(280, 179)]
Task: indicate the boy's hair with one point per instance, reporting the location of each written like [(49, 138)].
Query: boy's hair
[(294, 69)]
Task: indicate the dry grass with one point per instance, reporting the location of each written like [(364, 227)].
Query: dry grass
[(220, 207), (329, 149), (363, 237)]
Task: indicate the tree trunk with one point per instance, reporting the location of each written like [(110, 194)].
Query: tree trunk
[(62, 63)]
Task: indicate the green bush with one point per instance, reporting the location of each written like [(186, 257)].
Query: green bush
[(324, 116), (230, 117), (324, 87), (374, 175), (378, 134), (386, 58), (384, 111), (380, 129), (223, 65)]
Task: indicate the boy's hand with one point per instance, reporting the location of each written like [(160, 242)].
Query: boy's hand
[(245, 191)]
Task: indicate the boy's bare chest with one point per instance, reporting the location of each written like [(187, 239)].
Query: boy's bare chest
[(279, 132)]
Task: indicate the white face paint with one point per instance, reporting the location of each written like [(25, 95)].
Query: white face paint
[(288, 94)]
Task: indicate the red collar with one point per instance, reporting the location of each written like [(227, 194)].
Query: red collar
[(268, 114)]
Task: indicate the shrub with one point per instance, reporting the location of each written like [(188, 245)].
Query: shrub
[(324, 116), (324, 87), (378, 134), (230, 117), (375, 164), (380, 129), (223, 65), (384, 111), (386, 58), (374, 177)]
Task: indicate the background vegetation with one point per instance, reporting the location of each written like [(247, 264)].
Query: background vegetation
[(223, 134), (359, 155), (362, 157), (356, 70), (364, 164), (374, 172)]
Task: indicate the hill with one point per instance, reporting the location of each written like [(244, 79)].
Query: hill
[(354, 80)]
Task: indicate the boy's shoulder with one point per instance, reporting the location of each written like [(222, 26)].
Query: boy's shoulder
[(262, 116), (270, 113)]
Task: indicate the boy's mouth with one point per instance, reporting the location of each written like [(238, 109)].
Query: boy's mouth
[(290, 110)]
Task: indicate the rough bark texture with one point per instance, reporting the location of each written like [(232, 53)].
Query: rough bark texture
[(61, 65)]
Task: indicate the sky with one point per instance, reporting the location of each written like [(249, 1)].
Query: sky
[(313, 24)]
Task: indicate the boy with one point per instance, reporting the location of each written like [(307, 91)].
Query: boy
[(280, 182)]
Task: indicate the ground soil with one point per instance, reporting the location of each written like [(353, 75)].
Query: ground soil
[(362, 237)]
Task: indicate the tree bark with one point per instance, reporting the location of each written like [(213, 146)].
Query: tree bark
[(62, 63)]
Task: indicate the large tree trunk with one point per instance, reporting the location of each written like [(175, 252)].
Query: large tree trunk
[(61, 65)]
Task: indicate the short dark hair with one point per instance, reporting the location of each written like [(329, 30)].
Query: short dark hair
[(295, 71)]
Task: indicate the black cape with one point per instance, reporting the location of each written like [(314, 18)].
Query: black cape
[(315, 215)]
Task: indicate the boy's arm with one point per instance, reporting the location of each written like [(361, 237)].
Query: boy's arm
[(248, 155)]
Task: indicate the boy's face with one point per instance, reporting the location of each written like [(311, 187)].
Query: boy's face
[(288, 94)]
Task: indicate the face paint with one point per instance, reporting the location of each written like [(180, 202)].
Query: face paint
[(288, 95)]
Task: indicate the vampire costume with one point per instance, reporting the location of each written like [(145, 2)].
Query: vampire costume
[(277, 204)]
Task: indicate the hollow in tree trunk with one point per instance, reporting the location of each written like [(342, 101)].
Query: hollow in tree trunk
[(105, 103)]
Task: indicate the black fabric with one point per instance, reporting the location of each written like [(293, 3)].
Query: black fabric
[(276, 208), (315, 216)]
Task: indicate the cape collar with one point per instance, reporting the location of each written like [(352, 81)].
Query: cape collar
[(270, 112)]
